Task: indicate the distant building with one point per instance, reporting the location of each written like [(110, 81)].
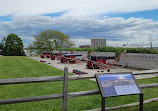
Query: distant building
[(98, 42), (84, 46)]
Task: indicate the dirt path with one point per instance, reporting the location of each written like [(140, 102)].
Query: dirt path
[(82, 67)]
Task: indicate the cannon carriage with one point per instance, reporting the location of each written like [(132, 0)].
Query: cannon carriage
[(99, 60), (59, 54), (69, 58), (46, 54)]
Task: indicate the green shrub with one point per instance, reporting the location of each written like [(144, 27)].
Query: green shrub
[(117, 50)]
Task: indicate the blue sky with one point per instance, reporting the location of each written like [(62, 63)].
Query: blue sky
[(52, 15), (148, 14), (121, 22), (6, 18)]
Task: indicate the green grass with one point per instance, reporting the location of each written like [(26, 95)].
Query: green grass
[(147, 107), (20, 67)]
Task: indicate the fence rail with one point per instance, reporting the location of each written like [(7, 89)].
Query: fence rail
[(56, 78), (126, 105), (40, 79), (59, 96), (54, 96)]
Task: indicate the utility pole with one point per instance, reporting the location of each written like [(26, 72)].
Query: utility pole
[(3, 41), (150, 42)]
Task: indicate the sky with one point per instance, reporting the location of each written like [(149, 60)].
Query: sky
[(130, 22)]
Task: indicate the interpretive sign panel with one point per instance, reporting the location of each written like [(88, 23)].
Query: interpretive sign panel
[(117, 84)]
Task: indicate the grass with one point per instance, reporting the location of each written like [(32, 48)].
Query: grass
[(20, 67)]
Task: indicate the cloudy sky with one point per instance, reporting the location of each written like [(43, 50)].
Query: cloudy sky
[(130, 22)]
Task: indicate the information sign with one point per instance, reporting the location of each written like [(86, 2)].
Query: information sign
[(118, 84)]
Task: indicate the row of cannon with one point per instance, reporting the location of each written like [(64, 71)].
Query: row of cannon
[(94, 60)]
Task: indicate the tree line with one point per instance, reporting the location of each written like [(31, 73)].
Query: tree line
[(49, 40), (45, 41)]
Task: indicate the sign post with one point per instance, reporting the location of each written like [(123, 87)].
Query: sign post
[(141, 102), (103, 104), (118, 84)]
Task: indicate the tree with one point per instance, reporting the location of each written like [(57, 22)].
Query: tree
[(13, 46), (49, 40), (1, 48)]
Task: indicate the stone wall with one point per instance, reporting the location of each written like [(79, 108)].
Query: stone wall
[(107, 54), (139, 60), (84, 53)]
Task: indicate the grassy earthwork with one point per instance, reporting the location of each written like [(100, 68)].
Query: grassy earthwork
[(22, 67)]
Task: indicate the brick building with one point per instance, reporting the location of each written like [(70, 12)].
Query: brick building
[(84, 46), (98, 42)]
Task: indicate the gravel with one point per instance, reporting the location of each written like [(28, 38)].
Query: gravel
[(81, 66)]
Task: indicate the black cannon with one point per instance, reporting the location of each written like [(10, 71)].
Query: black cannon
[(94, 58), (70, 55), (57, 55), (70, 58), (97, 62)]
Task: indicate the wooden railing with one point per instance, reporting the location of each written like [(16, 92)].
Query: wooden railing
[(65, 95)]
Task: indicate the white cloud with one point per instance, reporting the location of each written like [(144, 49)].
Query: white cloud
[(80, 20), (29, 7), (74, 7), (117, 30), (79, 42)]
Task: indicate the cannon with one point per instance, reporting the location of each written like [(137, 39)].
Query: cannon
[(69, 58), (57, 55), (78, 72), (101, 57), (97, 62), (46, 54)]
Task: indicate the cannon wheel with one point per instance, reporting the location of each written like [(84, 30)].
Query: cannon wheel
[(52, 57)]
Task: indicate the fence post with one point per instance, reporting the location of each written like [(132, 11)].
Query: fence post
[(65, 87)]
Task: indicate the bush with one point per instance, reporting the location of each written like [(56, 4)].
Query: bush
[(117, 50)]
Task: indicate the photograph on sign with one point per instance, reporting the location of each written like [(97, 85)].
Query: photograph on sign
[(118, 84)]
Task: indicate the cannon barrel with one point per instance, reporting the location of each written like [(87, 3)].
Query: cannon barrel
[(101, 57), (47, 52), (68, 55), (59, 53)]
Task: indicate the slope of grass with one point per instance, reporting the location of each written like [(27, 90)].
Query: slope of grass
[(20, 67)]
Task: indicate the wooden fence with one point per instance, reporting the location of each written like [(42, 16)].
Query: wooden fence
[(65, 95)]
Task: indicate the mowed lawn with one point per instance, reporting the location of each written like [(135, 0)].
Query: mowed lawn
[(22, 67)]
